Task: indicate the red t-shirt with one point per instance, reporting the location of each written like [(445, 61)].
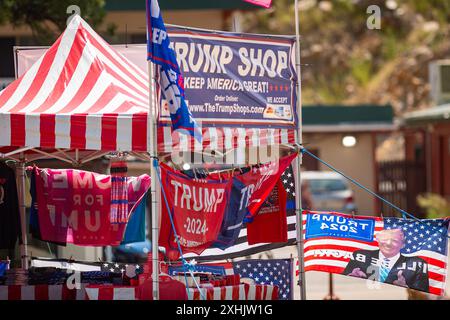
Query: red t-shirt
[(270, 224)]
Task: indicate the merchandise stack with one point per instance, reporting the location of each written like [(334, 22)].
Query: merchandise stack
[(207, 280), (49, 276), (102, 277)]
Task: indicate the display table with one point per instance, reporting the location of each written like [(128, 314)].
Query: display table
[(261, 292), (236, 292), (110, 292), (41, 292)]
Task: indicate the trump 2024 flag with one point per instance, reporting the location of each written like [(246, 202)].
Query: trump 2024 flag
[(401, 252), (161, 52)]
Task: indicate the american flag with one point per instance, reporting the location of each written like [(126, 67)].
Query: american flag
[(426, 239), (241, 247), (116, 267), (276, 272), (330, 252)]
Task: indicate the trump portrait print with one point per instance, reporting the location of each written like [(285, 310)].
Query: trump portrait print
[(402, 252)]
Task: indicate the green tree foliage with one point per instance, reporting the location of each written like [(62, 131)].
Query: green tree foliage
[(48, 18), (345, 62), (434, 205)]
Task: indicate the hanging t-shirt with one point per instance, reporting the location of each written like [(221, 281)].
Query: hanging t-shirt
[(135, 230), (270, 224), (34, 217), (9, 208), (74, 206)]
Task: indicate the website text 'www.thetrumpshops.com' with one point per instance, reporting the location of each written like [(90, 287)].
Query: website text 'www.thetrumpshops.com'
[(228, 109)]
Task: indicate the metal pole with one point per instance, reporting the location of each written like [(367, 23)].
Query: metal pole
[(330, 295), (20, 178), (298, 162), (152, 123)]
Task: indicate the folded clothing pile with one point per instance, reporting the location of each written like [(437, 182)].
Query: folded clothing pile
[(56, 276), (47, 275), (101, 277)]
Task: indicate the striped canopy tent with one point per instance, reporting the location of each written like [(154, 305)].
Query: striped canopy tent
[(82, 98), (80, 95)]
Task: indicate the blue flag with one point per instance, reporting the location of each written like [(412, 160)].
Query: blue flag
[(3, 268), (233, 220), (161, 52)]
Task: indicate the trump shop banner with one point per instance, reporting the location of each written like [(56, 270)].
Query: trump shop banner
[(74, 206), (236, 78), (401, 252)]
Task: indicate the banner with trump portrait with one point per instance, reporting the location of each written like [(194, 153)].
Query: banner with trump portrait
[(403, 252)]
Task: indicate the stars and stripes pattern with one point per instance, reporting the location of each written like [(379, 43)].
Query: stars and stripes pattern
[(241, 247), (330, 263), (426, 239), (80, 94), (224, 139), (116, 267), (101, 292), (42, 292), (274, 272), (237, 292), (287, 178), (108, 292)]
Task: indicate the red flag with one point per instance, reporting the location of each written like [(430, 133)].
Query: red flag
[(197, 208), (262, 3), (260, 182)]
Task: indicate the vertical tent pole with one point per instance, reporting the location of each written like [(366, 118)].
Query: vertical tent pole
[(20, 178), (20, 182), (298, 162), (152, 123)]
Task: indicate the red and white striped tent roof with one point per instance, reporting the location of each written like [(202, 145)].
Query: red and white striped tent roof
[(81, 94)]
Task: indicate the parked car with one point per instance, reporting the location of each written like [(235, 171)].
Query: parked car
[(330, 191), (133, 252)]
